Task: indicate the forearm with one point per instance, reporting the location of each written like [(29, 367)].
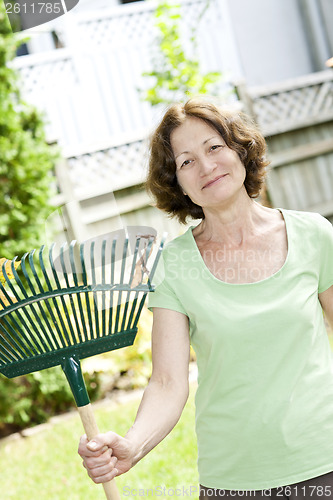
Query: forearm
[(159, 411)]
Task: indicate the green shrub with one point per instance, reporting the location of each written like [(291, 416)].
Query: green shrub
[(32, 399), (26, 160)]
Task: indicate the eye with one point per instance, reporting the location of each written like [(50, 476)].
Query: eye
[(215, 147), (186, 163)]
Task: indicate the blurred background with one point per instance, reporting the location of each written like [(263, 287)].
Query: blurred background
[(104, 73)]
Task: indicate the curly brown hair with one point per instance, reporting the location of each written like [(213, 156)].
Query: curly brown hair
[(239, 133)]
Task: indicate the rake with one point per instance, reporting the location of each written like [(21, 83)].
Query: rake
[(85, 301)]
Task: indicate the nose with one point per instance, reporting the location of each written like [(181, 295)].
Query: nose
[(206, 165)]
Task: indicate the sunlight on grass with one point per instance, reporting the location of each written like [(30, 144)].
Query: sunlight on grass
[(46, 466)]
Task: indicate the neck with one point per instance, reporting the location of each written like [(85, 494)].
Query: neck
[(232, 224)]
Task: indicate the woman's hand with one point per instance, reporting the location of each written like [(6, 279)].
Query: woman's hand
[(106, 456)]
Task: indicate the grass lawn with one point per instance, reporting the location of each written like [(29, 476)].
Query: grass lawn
[(46, 466)]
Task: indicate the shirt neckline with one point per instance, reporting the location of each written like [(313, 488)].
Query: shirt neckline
[(252, 283)]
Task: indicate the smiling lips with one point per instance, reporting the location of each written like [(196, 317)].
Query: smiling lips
[(213, 181)]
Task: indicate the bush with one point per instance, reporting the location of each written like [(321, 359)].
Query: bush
[(26, 160), (32, 399)]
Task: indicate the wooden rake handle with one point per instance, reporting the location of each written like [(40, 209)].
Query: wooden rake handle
[(91, 429)]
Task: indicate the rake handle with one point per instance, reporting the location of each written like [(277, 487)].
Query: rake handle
[(91, 429)]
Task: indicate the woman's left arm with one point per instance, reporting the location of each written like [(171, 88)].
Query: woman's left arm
[(326, 300)]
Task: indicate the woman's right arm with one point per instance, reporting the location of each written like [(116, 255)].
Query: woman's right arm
[(161, 406)]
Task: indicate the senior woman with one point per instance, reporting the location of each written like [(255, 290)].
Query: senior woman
[(247, 287)]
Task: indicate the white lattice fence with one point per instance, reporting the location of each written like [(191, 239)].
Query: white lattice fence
[(297, 120), (107, 170), (293, 104)]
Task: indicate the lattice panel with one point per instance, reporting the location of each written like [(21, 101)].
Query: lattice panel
[(108, 170), (115, 31), (48, 76), (294, 106), (128, 27)]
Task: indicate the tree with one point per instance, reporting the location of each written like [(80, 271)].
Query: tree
[(26, 160), (176, 74)]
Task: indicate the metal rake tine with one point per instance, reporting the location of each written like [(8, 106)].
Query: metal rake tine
[(135, 255), (85, 282), (6, 322), (156, 260), (36, 339), (13, 319), (27, 345), (93, 277), (134, 264), (123, 263), (113, 260), (143, 262), (44, 340), (49, 308), (147, 254), (41, 289), (3, 289), (149, 282), (78, 298), (63, 303), (5, 355), (15, 341), (103, 292), (71, 301), (122, 272), (62, 334), (8, 281)]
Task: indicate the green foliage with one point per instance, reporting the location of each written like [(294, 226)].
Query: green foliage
[(176, 75), (26, 160), (32, 399)]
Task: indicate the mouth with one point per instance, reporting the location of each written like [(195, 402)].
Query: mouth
[(214, 181)]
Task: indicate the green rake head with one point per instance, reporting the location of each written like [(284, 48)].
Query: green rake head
[(85, 301)]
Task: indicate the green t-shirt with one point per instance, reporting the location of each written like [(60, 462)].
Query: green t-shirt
[(264, 403)]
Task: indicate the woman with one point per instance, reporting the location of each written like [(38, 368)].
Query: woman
[(247, 287)]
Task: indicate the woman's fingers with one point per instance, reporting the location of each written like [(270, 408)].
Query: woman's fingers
[(101, 468), (92, 448), (101, 476), (100, 460), (102, 473)]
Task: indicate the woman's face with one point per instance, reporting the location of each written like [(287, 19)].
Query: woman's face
[(208, 171)]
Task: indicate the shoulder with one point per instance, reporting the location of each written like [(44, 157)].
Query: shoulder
[(306, 221), (182, 242)]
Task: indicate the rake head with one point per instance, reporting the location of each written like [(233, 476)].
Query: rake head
[(82, 302)]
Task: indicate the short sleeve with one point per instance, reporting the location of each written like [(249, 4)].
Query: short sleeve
[(325, 241), (165, 295)]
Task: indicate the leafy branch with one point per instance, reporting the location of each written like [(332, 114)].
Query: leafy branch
[(176, 75)]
